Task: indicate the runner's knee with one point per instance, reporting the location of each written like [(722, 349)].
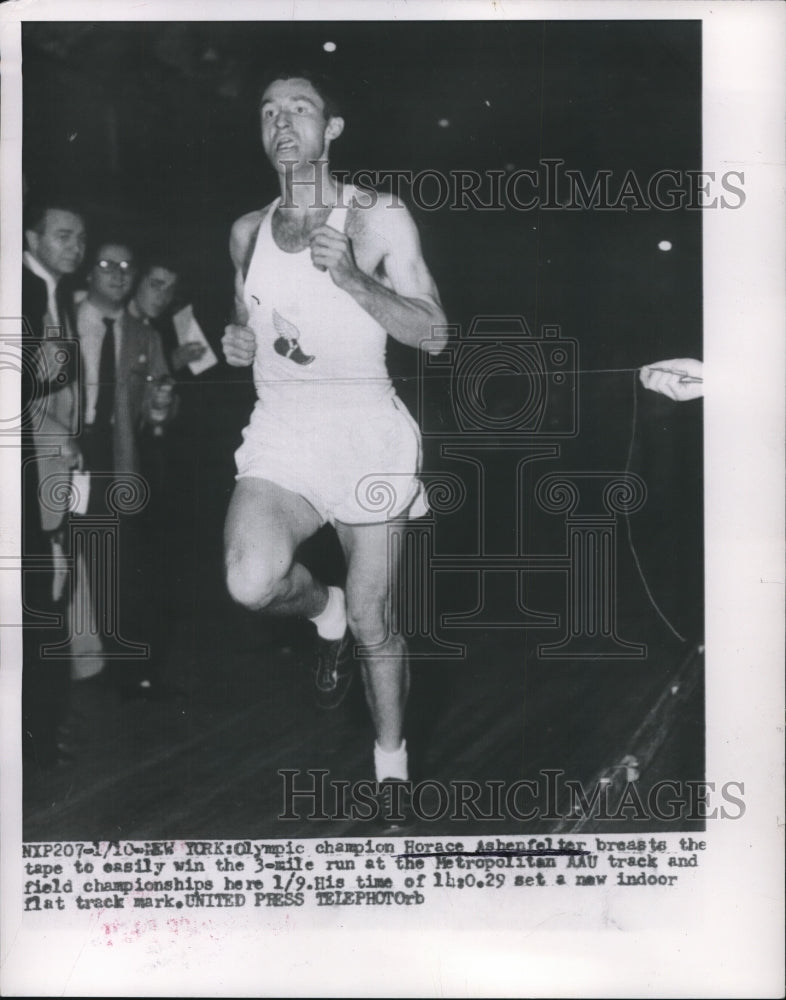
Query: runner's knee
[(253, 583), (368, 620)]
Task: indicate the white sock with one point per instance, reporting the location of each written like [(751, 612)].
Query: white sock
[(391, 763), (332, 622)]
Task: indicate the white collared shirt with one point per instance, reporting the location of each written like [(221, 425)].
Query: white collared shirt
[(32, 264), (91, 331)]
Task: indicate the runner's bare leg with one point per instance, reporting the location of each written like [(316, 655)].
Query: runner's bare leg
[(264, 526), (371, 572)]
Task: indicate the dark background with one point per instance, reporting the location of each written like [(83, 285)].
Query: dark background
[(154, 127)]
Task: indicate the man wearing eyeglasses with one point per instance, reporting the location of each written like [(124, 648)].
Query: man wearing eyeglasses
[(122, 359)]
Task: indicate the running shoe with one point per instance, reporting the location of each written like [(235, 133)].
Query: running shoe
[(394, 799), (333, 670)]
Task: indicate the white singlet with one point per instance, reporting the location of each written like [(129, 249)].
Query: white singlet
[(327, 424)]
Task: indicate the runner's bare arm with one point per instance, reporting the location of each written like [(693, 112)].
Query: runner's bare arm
[(405, 301), (239, 341)]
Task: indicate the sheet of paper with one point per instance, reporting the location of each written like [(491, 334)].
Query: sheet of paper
[(188, 332)]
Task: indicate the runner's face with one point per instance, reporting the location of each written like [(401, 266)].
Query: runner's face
[(294, 127), (60, 245), (155, 292)]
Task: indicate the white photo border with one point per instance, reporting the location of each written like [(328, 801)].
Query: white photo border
[(724, 939)]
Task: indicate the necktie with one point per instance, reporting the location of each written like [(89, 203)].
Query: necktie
[(64, 300), (64, 303), (105, 403)]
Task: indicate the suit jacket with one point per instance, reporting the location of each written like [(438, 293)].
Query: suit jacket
[(35, 304), (140, 361), (51, 407)]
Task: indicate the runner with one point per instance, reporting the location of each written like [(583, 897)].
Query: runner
[(323, 274)]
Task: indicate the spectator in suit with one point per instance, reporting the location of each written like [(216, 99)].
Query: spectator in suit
[(152, 302), (124, 365), (54, 249), (173, 458), (54, 235), (122, 358)]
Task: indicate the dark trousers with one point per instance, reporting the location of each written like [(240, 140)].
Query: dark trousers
[(46, 680), (141, 615)]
